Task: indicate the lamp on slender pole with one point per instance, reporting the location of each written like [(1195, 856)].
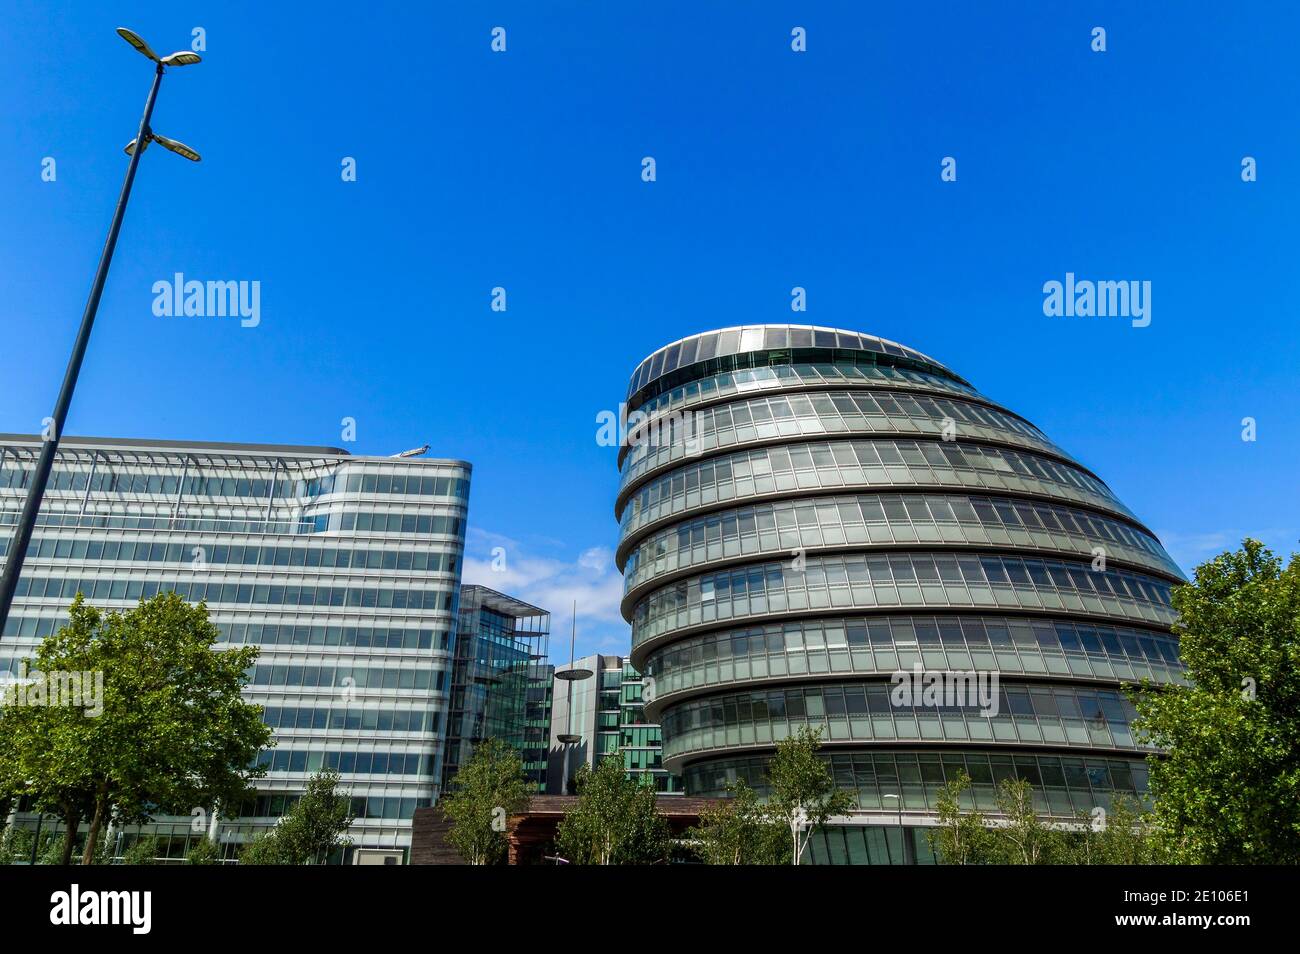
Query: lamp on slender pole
[(50, 437), (571, 675)]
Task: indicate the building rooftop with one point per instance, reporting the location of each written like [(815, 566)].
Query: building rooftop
[(500, 602), (214, 447)]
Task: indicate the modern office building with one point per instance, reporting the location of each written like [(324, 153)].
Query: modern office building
[(811, 517), (501, 682), (344, 570), (605, 713)]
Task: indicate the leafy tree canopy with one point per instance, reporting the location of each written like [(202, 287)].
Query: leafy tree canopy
[(486, 790), (615, 821), (174, 732), (1227, 789)]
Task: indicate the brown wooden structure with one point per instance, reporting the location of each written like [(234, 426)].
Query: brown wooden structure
[(531, 832)]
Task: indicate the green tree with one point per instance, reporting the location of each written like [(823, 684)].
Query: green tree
[(143, 851), (16, 848), (316, 824), (42, 755), (204, 852), (962, 837), (174, 732), (263, 850), (309, 831), (486, 790), (1227, 788), (615, 822), (739, 830), (1023, 838), (1123, 835), (804, 794)]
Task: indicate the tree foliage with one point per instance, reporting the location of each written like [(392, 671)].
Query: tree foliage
[(309, 831), (1227, 789), (1022, 837), (1122, 835), (740, 830), (615, 821), (174, 732), (803, 790), (204, 852), (16, 848), (486, 790), (962, 837), (142, 851)]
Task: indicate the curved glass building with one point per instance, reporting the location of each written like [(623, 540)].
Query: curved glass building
[(816, 522)]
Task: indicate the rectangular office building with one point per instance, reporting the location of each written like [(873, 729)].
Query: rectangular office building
[(501, 682), (344, 570)]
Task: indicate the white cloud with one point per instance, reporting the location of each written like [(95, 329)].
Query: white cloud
[(555, 583), (1191, 549)]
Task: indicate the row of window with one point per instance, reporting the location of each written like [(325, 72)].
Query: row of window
[(333, 522), (362, 720), (827, 465), (847, 405), (273, 806), (396, 523), (881, 698), (131, 520), (795, 376), (642, 760), (105, 480), (195, 591), (953, 633), (198, 553), (346, 677), (852, 412), (362, 637), (886, 519), (348, 763), (640, 737), (273, 634), (869, 845), (856, 711), (887, 644), (901, 580), (1063, 785)]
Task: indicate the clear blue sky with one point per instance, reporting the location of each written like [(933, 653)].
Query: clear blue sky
[(775, 169)]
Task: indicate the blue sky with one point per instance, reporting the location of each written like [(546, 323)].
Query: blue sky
[(522, 170)]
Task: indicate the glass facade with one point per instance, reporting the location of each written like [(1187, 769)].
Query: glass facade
[(344, 570), (606, 713), (829, 512), (500, 684)]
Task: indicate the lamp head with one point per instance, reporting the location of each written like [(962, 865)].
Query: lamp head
[(137, 41)]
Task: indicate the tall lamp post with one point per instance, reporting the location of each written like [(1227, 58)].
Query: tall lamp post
[(571, 675), (50, 445)]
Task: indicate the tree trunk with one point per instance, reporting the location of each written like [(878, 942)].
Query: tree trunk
[(96, 823), (71, 822)]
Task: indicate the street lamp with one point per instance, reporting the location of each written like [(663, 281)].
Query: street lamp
[(50, 444), (570, 676), (902, 835)]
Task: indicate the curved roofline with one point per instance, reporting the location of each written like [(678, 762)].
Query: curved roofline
[(907, 350)]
